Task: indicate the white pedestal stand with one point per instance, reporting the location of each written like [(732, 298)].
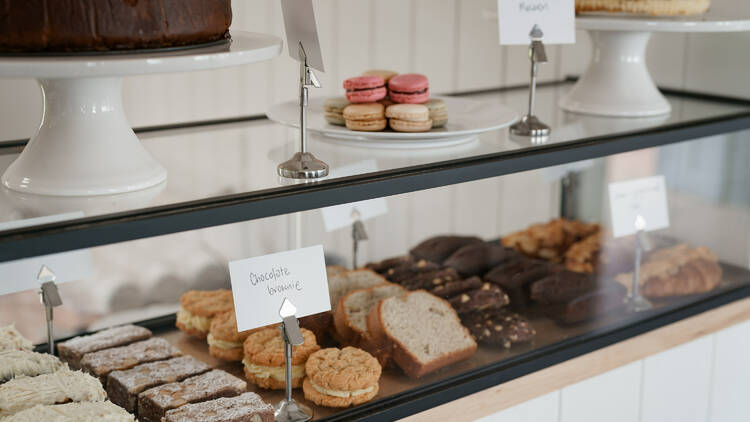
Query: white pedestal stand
[(84, 145), (617, 81)]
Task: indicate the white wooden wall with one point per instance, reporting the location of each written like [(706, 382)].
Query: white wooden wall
[(705, 380)]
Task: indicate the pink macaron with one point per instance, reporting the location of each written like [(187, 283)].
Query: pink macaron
[(410, 88), (365, 89)]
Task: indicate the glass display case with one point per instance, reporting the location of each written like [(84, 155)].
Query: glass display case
[(501, 252)]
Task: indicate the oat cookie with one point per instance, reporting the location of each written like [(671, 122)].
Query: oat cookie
[(198, 307), (341, 377), (224, 341), (264, 358)]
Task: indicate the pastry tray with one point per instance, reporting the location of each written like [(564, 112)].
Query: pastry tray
[(490, 365)]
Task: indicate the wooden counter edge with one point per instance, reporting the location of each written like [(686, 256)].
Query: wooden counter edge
[(547, 380)]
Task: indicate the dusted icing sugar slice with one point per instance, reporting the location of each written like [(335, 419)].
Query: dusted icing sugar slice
[(246, 407), (73, 350), (103, 362)]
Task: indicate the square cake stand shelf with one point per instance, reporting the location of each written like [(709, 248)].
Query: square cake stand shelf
[(617, 81), (85, 145)]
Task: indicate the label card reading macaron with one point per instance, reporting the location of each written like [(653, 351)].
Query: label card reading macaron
[(638, 202), (260, 285), (556, 19)]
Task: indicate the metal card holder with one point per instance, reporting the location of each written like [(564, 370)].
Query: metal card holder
[(288, 410), (358, 234), (49, 295), (530, 125), (303, 165), (635, 302)]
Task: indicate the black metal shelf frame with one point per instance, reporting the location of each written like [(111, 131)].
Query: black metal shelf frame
[(130, 225)]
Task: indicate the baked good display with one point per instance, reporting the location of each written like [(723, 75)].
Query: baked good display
[(58, 387), (341, 377), (679, 270), (498, 327), (264, 363), (549, 240), (224, 341), (478, 258), (101, 363), (341, 284), (438, 248), (368, 117), (100, 411), (485, 297), (438, 112), (247, 407), (423, 331), (408, 117), (645, 7), (197, 307), (365, 89), (334, 110), (409, 88), (153, 404), (11, 339), (73, 350), (14, 363), (350, 317), (39, 25), (123, 387)]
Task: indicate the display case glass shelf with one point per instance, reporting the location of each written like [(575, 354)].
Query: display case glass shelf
[(225, 173)]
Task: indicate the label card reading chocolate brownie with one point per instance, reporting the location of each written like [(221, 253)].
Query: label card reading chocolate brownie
[(260, 284), (300, 27), (20, 275), (646, 198), (556, 19)]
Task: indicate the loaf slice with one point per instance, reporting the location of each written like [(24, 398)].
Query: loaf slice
[(350, 317), (423, 331), (341, 284)]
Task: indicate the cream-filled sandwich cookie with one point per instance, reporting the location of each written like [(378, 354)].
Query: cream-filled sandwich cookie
[(224, 341), (341, 377), (409, 117), (264, 358), (198, 307)]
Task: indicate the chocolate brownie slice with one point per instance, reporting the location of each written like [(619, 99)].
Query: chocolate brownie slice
[(73, 350), (515, 275), (499, 327), (438, 248), (485, 297), (101, 363), (453, 288), (123, 387), (561, 286), (429, 280)]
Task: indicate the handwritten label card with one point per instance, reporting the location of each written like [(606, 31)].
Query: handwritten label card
[(20, 275), (645, 198), (556, 19), (261, 284)]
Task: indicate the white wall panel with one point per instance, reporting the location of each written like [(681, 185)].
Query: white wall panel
[(435, 42), (665, 58), (479, 60), (392, 33), (677, 382), (730, 396), (541, 409), (612, 397)]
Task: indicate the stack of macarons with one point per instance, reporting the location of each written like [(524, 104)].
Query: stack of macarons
[(382, 98)]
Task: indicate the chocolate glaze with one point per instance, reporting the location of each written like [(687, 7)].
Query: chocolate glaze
[(87, 25)]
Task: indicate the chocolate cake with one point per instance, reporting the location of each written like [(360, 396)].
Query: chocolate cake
[(92, 25)]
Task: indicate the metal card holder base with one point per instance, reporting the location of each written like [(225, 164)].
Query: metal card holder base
[(530, 126), (303, 165), (634, 302), (288, 410)]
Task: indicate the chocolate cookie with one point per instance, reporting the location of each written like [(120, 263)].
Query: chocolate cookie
[(453, 288), (438, 248), (405, 272), (478, 258), (429, 280), (561, 286), (486, 297), (499, 327)]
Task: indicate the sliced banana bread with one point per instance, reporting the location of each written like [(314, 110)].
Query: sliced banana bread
[(341, 284), (423, 331), (350, 317)]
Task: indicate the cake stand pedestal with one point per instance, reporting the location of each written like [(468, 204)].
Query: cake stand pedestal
[(617, 81), (84, 145)]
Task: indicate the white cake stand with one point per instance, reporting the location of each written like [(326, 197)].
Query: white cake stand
[(84, 145), (617, 81)]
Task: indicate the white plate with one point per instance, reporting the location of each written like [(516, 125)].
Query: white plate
[(466, 119)]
